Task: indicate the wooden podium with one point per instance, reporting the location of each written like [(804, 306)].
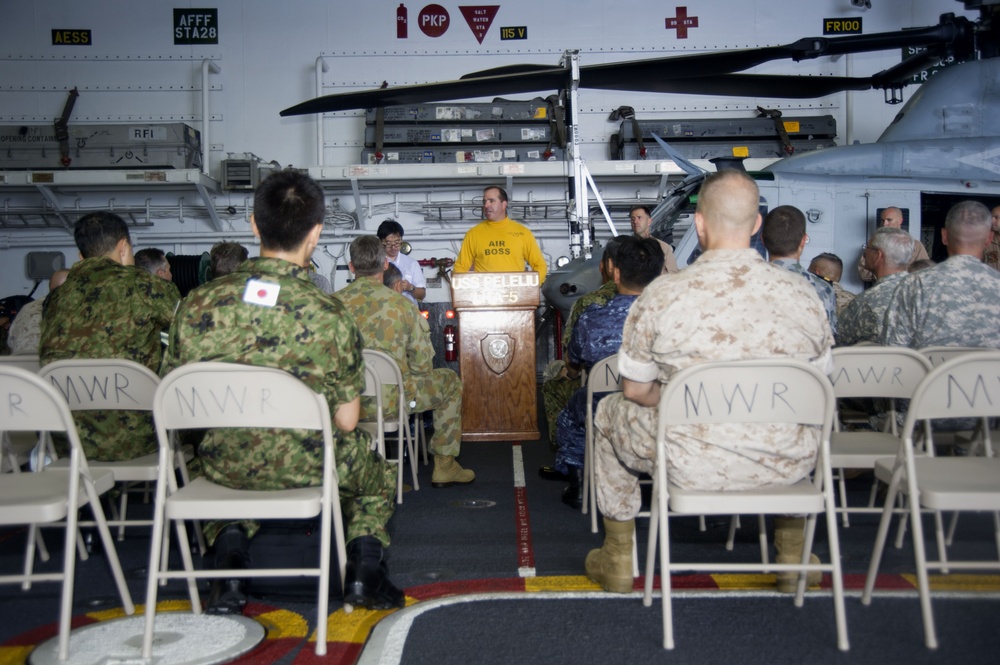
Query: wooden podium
[(496, 326)]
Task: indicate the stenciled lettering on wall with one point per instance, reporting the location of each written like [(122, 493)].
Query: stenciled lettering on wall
[(196, 26), (923, 75), (69, 37), (479, 18), (842, 26), (434, 20), (681, 22)]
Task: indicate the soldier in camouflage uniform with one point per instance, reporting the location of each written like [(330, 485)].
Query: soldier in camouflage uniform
[(888, 254), (390, 323), (728, 305), (892, 218), (108, 308), (992, 255), (561, 380), (597, 335), (956, 302), (268, 313), (784, 236), (831, 268)]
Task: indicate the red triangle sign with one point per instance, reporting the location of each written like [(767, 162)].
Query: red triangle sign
[(480, 18)]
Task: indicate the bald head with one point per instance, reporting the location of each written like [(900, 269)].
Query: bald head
[(727, 212), (891, 217), (967, 228)]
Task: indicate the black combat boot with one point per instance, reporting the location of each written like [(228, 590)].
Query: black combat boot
[(367, 581), (573, 494), (232, 550)]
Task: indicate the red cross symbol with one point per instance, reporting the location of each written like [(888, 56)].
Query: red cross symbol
[(682, 22)]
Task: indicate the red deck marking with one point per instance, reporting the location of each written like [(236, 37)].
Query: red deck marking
[(525, 549)]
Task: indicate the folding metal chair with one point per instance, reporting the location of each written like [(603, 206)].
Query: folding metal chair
[(792, 392), (213, 395), (888, 373), (115, 384), (964, 387), (53, 495), (603, 377), (388, 373)]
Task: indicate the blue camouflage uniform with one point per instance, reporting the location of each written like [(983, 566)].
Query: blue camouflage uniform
[(596, 335)]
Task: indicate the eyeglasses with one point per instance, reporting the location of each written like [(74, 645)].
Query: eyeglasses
[(393, 245)]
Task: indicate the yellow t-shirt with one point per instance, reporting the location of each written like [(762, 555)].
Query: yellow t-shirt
[(503, 246)]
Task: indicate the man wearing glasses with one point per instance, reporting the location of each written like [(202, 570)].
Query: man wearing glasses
[(413, 284)]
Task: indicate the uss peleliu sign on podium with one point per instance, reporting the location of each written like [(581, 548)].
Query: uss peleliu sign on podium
[(496, 324)]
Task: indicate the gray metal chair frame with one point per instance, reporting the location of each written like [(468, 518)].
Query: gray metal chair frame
[(806, 399)]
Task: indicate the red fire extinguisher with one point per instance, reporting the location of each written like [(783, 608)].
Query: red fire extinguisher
[(450, 343), (401, 21)]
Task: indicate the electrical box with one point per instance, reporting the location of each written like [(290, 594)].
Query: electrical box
[(41, 265), (245, 172)]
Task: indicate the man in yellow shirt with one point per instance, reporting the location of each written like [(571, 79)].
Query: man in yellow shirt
[(498, 243)]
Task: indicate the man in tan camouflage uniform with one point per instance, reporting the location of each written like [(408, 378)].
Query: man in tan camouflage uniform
[(728, 305), (268, 313), (956, 302), (108, 308), (888, 255), (390, 323)]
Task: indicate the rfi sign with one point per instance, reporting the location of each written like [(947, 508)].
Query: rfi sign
[(433, 20), (842, 26), (63, 37), (196, 26)]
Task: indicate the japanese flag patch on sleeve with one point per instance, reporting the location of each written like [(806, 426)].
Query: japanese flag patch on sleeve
[(261, 293)]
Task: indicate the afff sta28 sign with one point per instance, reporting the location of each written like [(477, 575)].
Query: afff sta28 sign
[(196, 26)]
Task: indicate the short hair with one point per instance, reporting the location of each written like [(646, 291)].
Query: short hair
[(729, 199), (611, 249), (367, 256), (151, 259), (391, 276), (388, 228), (645, 209), (968, 222), (97, 233), (639, 262), (783, 230), (835, 264), (286, 207), (895, 244), (921, 264), (503, 192), (226, 257)]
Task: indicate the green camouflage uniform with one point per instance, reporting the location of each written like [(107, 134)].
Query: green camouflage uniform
[(108, 310), (557, 389), (390, 323), (308, 334)]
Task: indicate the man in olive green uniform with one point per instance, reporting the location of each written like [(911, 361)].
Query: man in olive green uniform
[(390, 323), (108, 308), (268, 313)]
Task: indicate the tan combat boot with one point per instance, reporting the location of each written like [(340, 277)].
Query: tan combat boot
[(789, 540), (448, 472), (611, 565)]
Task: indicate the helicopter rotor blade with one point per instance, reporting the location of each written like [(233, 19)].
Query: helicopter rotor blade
[(660, 74)]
